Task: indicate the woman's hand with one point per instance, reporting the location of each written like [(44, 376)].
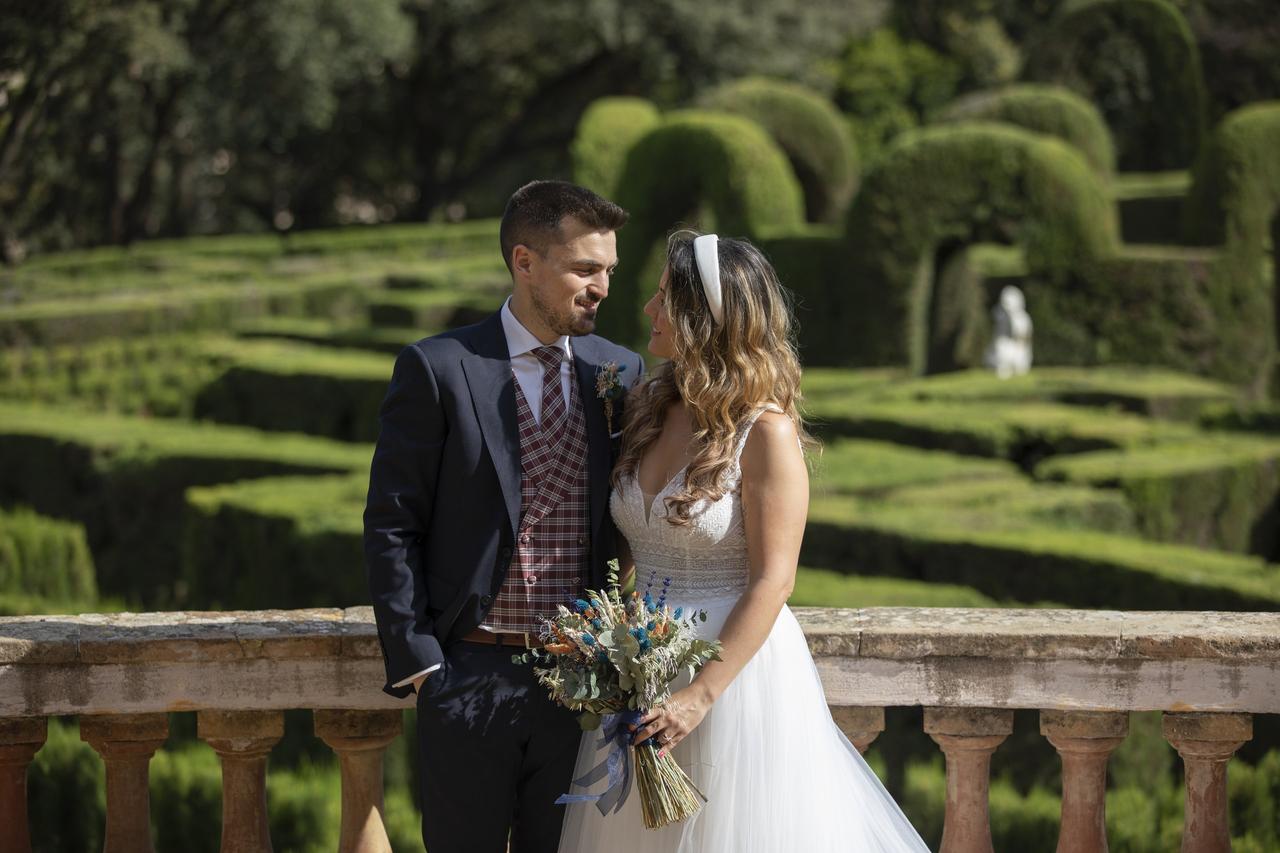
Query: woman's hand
[(675, 718)]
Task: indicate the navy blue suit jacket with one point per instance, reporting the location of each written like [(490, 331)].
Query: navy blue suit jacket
[(444, 488)]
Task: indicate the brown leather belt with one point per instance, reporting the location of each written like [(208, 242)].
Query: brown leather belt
[(504, 638)]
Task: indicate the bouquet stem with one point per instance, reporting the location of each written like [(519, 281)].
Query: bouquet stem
[(667, 794)]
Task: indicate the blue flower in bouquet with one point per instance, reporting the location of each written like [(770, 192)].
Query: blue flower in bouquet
[(588, 639), (679, 612), (582, 605)]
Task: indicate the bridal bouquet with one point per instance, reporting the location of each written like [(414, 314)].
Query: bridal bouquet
[(610, 659)]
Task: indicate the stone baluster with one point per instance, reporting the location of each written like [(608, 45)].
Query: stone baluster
[(360, 738), (1084, 740), (126, 743), (860, 724), (1206, 743), (243, 739), (20, 740), (968, 737)]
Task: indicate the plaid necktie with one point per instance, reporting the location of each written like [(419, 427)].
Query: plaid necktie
[(555, 415)]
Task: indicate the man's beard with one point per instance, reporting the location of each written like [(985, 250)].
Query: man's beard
[(562, 322)]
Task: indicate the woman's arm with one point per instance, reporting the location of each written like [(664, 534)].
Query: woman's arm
[(626, 563), (775, 504)]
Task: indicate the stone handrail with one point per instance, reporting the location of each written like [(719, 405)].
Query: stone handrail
[(969, 668)]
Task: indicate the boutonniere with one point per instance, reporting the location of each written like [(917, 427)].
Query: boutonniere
[(609, 387)]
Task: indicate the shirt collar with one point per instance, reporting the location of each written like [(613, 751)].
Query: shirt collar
[(520, 340)]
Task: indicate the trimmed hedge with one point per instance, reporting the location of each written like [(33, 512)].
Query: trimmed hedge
[(280, 542), (873, 469), (1086, 48), (1194, 310), (42, 556), (810, 131), (295, 387), (606, 131), (1149, 391), (149, 375), (202, 308), (1218, 492), (1235, 191), (1052, 110), (721, 171), (1024, 432), (388, 340), (1151, 205), (944, 187), (1019, 557), (431, 309), (123, 479), (824, 588)]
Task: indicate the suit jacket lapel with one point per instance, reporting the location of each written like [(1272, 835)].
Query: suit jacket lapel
[(493, 394), (598, 464)]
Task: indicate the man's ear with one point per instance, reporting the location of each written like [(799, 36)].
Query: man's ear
[(522, 259)]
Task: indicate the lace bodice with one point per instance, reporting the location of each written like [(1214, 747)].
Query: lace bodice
[(706, 557)]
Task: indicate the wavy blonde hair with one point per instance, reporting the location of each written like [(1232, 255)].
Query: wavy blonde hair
[(723, 373)]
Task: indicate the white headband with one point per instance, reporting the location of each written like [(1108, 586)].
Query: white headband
[(706, 254)]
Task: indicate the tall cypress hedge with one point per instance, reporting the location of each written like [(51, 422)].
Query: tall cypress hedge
[(715, 170), (1051, 110), (945, 187), (809, 129), (1087, 48)]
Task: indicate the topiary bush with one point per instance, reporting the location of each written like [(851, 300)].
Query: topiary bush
[(124, 478), (1235, 190), (45, 557), (944, 187), (295, 387), (1217, 492), (279, 542), (809, 130), (721, 171), (607, 130), (1138, 60), (1052, 110)]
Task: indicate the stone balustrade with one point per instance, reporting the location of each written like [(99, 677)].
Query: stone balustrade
[(969, 669)]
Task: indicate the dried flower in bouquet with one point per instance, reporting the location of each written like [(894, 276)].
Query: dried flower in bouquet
[(610, 659)]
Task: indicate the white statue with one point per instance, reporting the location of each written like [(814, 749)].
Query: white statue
[(1010, 350)]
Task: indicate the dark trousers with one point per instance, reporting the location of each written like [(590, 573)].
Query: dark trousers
[(493, 754)]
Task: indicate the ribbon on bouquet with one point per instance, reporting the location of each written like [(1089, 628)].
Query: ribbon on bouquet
[(616, 766)]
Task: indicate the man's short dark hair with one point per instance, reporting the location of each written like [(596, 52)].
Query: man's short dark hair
[(534, 213)]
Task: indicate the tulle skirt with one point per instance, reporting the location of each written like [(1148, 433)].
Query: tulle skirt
[(779, 775)]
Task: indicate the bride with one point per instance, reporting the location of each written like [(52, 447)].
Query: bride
[(711, 494)]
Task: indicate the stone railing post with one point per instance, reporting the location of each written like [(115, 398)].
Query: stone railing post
[(20, 740), (1206, 743), (1084, 740), (967, 736), (126, 743), (360, 738), (243, 739), (860, 724)]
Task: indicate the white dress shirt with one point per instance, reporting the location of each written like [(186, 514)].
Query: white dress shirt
[(528, 372)]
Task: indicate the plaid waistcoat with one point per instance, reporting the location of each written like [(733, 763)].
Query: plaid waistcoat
[(552, 554)]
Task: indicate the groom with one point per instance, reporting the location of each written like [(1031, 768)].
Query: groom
[(487, 507)]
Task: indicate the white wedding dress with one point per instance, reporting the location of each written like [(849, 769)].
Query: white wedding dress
[(779, 775)]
